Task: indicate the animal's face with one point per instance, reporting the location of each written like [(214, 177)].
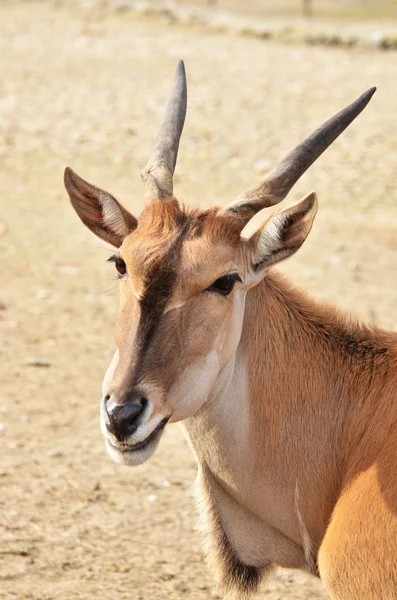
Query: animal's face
[(184, 276), (182, 297)]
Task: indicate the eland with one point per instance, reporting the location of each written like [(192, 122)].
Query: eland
[(289, 406)]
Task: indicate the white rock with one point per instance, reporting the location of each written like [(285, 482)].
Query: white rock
[(68, 270)]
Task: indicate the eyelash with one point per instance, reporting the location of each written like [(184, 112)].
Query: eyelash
[(224, 285), (120, 265)]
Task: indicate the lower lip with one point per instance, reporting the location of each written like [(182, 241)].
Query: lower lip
[(126, 448)]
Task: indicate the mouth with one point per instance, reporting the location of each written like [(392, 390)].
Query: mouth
[(130, 448)]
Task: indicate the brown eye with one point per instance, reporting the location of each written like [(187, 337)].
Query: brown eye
[(224, 285), (119, 264)]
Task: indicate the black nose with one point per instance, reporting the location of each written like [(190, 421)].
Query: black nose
[(123, 419)]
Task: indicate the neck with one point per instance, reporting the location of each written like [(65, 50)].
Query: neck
[(281, 428)]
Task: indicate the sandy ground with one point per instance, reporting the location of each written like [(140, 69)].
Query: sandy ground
[(344, 10), (89, 93)]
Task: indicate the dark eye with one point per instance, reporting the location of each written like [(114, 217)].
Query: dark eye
[(119, 264), (224, 285)]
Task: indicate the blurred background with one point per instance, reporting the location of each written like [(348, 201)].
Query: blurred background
[(346, 9), (85, 84)]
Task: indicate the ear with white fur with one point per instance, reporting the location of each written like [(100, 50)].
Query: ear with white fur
[(284, 232), (98, 210)]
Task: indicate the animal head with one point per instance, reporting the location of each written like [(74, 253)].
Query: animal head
[(184, 275)]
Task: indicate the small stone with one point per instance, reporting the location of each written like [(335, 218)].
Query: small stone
[(68, 270), (262, 166), (55, 454), (376, 38), (352, 265), (152, 498), (38, 362), (41, 294), (181, 586)]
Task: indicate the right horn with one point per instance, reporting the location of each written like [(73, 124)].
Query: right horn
[(275, 186)]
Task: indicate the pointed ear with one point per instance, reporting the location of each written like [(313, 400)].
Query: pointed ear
[(99, 210), (284, 232)]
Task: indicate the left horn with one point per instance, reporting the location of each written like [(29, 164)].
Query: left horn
[(276, 185), (159, 171)]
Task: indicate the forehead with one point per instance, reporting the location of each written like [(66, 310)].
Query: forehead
[(172, 254), (172, 242)]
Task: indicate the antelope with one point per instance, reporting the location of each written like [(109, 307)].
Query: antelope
[(289, 406)]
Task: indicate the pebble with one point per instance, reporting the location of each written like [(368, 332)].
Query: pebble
[(38, 362), (262, 166), (68, 270), (352, 265)]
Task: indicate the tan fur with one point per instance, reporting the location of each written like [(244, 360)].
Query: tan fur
[(289, 406)]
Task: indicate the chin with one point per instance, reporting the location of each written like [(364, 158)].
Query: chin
[(135, 454)]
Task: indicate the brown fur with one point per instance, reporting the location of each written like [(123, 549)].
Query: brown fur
[(329, 387), (295, 434), (323, 413)]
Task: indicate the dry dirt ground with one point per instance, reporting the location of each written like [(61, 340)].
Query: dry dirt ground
[(338, 9), (89, 91)]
